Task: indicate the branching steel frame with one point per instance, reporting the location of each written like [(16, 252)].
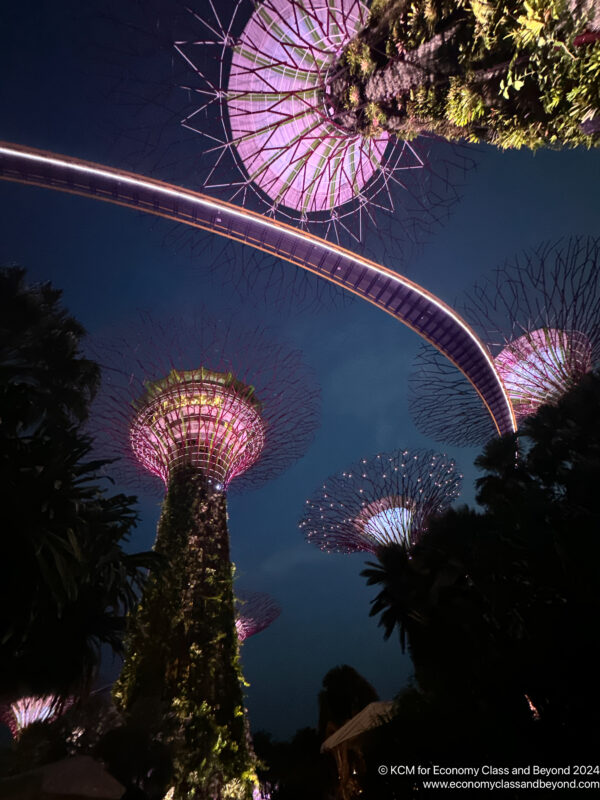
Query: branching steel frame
[(403, 299)]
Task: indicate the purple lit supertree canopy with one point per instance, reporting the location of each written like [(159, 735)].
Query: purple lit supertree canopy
[(255, 612), (208, 395), (270, 88), (387, 499), (27, 710), (540, 317), (199, 407)]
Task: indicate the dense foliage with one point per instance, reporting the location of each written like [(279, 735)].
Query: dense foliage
[(294, 770), (514, 73), (500, 607), (66, 582), (182, 664)]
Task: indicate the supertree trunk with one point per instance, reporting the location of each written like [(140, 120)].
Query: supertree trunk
[(508, 72), (182, 664), (429, 67)]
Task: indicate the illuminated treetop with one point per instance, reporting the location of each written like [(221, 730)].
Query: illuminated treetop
[(27, 710), (244, 414), (247, 413), (201, 418), (540, 317), (383, 500), (280, 121), (255, 612), (286, 131)]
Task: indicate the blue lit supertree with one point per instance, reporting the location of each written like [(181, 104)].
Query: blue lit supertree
[(387, 499)]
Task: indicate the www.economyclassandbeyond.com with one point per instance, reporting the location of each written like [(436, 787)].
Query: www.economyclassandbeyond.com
[(523, 777)]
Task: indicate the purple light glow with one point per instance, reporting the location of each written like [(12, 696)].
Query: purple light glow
[(260, 794), (277, 105), (273, 90), (255, 612), (242, 418), (540, 318), (385, 500), (24, 712), (202, 418), (539, 367)]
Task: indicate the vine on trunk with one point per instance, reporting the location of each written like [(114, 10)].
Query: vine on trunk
[(513, 73), (183, 664)]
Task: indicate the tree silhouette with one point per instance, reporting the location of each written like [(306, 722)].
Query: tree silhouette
[(45, 376), (345, 692), (500, 607), (65, 580)]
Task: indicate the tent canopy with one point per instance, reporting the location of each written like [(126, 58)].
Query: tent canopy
[(371, 716)]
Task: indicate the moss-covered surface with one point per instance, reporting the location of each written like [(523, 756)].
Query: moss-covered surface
[(197, 377), (514, 73), (182, 669)]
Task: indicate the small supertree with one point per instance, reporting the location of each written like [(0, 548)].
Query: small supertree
[(255, 612), (24, 712), (540, 317), (199, 406), (385, 500), (270, 90)]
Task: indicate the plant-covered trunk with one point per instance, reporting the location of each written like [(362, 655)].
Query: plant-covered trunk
[(508, 72), (182, 670)]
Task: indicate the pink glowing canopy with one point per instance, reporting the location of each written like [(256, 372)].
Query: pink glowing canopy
[(540, 366), (201, 418), (24, 712), (278, 111), (255, 611)]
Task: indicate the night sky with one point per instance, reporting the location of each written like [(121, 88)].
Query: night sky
[(57, 92)]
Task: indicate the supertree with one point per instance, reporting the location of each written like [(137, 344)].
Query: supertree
[(25, 711), (540, 317), (255, 611), (269, 90), (198, 407), (387, 499)]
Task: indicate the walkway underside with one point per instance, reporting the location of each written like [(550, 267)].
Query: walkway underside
[(406, 301)]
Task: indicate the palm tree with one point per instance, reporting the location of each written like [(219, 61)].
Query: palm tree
[(500, 607), (44, 373)]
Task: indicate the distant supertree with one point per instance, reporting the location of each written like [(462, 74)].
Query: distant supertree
[(540, 317), (270, 89), (24, 712), (199, 407), (255, 611), (384, 500)]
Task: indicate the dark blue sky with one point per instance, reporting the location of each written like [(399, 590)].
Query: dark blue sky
[(55, 94)]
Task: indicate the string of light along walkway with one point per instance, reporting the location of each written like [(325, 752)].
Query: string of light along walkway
[(405, 300)]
